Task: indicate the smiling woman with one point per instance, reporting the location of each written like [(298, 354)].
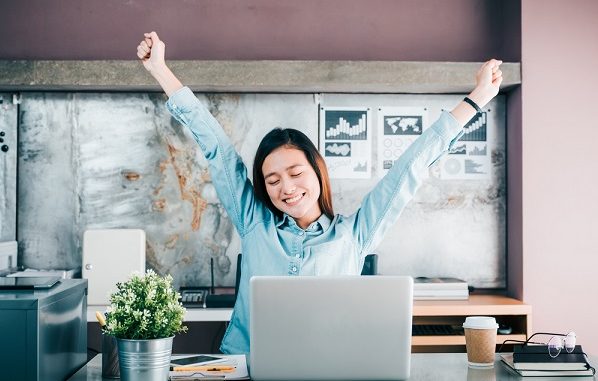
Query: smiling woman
[(285, 218), (292, 177)]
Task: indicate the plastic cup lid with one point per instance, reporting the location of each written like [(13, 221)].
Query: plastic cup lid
[(480, 322)]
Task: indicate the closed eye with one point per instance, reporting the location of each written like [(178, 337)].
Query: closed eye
[(297, 174), (273, 182)]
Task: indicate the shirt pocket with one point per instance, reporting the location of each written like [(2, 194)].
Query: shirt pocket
[(336, 258)]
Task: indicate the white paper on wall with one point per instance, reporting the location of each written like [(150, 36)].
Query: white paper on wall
[(469, 159), (346, 141), (398, 127)]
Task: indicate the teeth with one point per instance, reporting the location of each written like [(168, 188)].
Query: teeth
[(290, 200)]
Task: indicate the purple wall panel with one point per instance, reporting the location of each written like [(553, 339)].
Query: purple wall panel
[(402, 30), (514, 195)]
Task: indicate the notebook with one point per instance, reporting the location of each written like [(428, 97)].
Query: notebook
[(330, 327)]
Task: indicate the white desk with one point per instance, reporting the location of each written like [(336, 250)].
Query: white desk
[(424, 367), (192, 314)]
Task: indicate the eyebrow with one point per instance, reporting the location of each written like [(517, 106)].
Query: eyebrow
[(287, 168)]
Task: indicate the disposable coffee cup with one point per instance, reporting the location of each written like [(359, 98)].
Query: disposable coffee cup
[(480, 340)]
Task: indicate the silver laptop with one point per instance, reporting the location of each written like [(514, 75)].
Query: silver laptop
[(330, 328)]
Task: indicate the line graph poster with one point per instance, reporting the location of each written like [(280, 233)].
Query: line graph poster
[(398, 127), (469, 159), (346, 142)]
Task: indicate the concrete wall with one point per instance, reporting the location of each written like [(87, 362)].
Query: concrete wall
[(430, 30), (89, 160), (8, 168), (559, 176), (402, 30)]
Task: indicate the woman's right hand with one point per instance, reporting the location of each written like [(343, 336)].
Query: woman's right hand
[(151, 52)]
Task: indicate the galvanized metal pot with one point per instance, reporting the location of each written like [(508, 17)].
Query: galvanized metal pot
[(144, 360)]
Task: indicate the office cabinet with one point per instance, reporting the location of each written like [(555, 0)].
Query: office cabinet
[(452, 313), (43, 333)]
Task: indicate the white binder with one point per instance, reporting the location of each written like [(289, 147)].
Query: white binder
[(110, 256)]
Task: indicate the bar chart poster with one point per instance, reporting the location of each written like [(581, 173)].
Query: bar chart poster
[(398, 127), (469, 158), (346, 141)]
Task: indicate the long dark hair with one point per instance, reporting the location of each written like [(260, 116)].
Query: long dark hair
[(291, 138)]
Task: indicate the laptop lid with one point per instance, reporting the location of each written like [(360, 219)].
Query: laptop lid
[(27, 283), (330, 327)]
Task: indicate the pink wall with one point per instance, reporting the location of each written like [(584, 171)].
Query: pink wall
[(560, 170), (403, 30)]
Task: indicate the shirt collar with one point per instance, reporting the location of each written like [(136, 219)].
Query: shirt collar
[(282, 220), (324, 221)]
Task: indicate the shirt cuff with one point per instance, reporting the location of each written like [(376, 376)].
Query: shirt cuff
[(449, 129), (182, 100)]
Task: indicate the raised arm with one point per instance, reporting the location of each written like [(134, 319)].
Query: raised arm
[(381, 207), (227, 170), (488, 80), (151, 52)]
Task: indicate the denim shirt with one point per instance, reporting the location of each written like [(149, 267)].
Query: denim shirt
[(273, 245)]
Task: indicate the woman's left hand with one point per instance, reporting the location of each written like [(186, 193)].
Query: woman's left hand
[(488, 81)]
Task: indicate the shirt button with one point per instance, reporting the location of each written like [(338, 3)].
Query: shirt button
[(301, 232), (297, 255), (294, 269)]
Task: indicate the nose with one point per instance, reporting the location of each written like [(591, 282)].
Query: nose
[(288, 187)]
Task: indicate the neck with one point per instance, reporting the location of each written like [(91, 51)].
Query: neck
[(304, 222)]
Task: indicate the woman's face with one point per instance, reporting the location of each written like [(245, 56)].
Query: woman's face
[(292, 185)]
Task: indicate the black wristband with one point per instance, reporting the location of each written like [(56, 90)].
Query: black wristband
[(473, 104)]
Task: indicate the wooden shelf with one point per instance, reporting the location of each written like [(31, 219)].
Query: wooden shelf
[(456, 340), (508, 311), (475, 305)]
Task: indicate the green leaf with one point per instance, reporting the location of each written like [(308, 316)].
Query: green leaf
[(145, 307)]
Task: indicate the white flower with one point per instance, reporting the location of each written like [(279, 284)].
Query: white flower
[(145, 307)]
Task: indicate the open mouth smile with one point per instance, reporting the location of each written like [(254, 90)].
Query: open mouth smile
[(293, 200)]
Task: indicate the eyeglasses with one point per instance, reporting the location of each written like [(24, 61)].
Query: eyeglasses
[(555, 344)]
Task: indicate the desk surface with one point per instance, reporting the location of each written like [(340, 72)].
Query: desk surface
[(424, 367), (192, 314)]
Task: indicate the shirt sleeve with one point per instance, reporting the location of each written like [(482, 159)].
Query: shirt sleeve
[(227, 170), (380, 209)]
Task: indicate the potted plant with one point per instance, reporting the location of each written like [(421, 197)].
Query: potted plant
[(144, 315)]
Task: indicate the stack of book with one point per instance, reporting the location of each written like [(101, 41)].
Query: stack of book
[(440, 289), (534, 360)]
